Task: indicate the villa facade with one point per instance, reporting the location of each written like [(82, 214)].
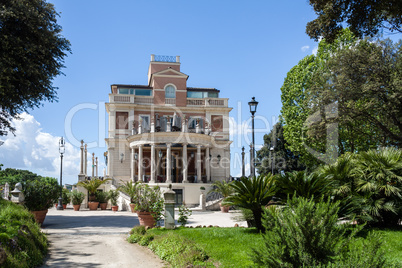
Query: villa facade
[(165, 132)]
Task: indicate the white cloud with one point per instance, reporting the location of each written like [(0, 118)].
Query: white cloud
[(38, 151), (305, 48), (315, 50)]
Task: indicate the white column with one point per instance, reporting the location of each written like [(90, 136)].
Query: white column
[(140, 163), (168, 125), (96, 166), (153, 163), (208, 165), (110, 162), (132, 166), (185, 163), (199, 163), (86, 160), (168, 163), (93, 164), (82, 158)]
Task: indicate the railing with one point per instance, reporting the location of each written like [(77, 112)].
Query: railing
[(209, 102), (165, 58), (131, 99), (170, 101)]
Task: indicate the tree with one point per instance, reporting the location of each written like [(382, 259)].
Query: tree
[(32, 53), (297, 107), (365, 82), (283, 158), (363, 17)]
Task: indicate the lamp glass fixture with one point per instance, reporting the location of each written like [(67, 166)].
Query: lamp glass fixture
[(136, 156), (121, 157), (62, 145), (253, 105), (160, 154)]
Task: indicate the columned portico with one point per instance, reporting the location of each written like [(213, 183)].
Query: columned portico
[(132, 167)]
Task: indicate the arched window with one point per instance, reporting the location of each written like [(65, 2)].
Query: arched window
[(170, 92)]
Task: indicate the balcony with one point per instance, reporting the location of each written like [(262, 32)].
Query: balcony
[(207, 102), (120, 98)]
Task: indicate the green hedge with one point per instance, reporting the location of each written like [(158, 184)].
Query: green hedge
[(20, 237)]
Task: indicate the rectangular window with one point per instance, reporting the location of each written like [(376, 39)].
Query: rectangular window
[(194, 94), (124, 91), (213, 95), (216, 123), (145, 123), (121, 120), (143, 92)]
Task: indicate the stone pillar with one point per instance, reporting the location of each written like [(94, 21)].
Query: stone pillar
[(152, 163), (203, 201), (185, 163), (110, 162), (152, 125), (93, 164), (183, 124), (199, 178), (169, 197), (140, 127), (197, 126), (168, 163), (82, 158), (6, 190), (96, 165), (86, 160), (132, 165), (140, 163), (208, 165)]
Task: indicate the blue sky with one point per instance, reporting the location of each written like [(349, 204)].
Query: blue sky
[(244, 49)]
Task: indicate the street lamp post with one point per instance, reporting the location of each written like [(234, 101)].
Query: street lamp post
[(253, 108), (62, 149)]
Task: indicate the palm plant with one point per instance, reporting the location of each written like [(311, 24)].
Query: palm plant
[(92, 185), (379, 184), (113, 195), (132, 189), (301, 184), (77, 197), (253, 194)]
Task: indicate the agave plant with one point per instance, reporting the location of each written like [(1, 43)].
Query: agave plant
[(253, 194), (92, 185)]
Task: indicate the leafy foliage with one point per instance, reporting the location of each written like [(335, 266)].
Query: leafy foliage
[(92, 185), (13, 176), (253, 194), (184, 213), (20, 237), (113, 195), (307, 234), (281, 157), (302, 184), (33, 52), (102, 196), (41, 194), (66, 196), (77, 197), (222, 187), (132, 189), (364, 17)]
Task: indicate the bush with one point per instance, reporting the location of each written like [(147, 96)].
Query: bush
[(66, 196), (184, 213), (41, 194), (77, 197), (113, 195), (308, 234), (20, 237), (101, 196)]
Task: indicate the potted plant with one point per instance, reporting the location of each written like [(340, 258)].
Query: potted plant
[(148, 204), (66, 197), (40, 195), (76, 199), (102, 197), (91, 186), (113, 195), (223, 188), (132, 190)]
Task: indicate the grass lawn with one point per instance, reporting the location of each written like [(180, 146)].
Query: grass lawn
[(230, 247)]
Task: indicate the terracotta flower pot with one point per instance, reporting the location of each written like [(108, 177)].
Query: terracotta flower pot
[(103, 206), (39, 216), (64, 206), (93, 205), (224, 209), (146, 219), (132, 207), (115, 208), (76, 207)]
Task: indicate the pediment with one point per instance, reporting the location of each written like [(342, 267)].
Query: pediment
[(170, 72)]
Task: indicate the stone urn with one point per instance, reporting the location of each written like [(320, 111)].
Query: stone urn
[(39, 216), (146, 219)]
